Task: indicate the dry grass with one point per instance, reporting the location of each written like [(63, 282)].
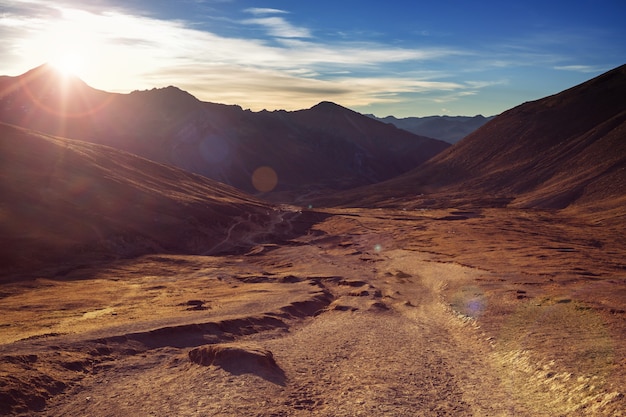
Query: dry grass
[(504, 312)]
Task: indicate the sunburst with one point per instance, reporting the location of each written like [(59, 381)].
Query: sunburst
[(69, 64)]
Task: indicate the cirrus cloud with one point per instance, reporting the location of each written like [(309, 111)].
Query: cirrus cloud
[(263, 60), (125, 51), (279, 27)]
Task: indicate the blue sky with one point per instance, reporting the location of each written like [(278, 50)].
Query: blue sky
[(402, 58)]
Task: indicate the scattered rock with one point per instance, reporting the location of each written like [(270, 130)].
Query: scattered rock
[(239, 358), (402, 274), (341, 307), (254, 279), (452, 217), (352, 283), (291, 279), (194, 305), (378, 305)]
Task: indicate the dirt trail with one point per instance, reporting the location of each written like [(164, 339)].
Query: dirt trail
[(348, 322), (386, 346), (405, 361)]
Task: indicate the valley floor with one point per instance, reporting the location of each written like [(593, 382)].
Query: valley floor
[(372, 312)]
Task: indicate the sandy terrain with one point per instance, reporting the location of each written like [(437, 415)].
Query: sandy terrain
[(372, 312)]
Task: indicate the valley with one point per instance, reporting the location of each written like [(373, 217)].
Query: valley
[(396, 312), (371, 272)]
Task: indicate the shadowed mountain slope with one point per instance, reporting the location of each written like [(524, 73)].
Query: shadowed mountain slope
[(325, 147), (67, 199), (562, 150)]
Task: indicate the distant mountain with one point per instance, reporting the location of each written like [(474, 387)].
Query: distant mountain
[(447, 128), (67, 200), (325, 147), (565, 150)]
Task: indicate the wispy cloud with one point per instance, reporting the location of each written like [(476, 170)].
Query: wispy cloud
[(551, 49), (279, 27), (263, 57), (579, 68), (289, 69), (275, 25), (359, 53), (264, 10), (484, 84)]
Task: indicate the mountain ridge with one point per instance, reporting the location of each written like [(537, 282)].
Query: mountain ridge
[(223, 142), (447, 128), (553, 153)]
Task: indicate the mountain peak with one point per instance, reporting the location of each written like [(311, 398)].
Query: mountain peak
[(49, 75), (49, 70), (327, 106), (169, 91), (43, 69)]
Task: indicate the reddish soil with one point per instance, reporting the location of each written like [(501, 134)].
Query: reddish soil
[(373, 312)]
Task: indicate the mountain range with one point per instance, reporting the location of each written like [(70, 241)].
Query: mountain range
[(133, 282), (448, 128), (568, 149), (108, 175), (324, 147)]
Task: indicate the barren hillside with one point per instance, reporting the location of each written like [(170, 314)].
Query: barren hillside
[(559, 151), (66, 200)]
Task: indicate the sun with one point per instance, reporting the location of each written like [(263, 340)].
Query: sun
[(69, 64)]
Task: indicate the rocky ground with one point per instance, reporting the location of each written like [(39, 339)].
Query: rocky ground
[(373, 312)]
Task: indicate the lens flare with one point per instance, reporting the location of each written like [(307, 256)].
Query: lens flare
[(264, 179)]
